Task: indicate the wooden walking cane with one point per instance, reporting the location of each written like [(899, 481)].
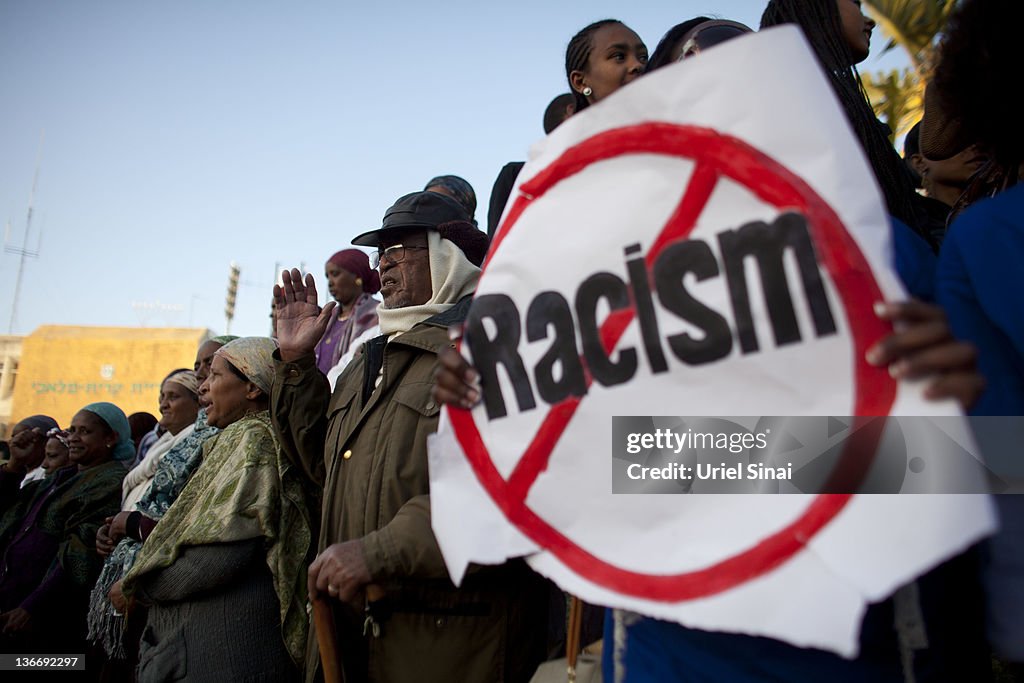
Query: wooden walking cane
[(327, 635), (327, 639)]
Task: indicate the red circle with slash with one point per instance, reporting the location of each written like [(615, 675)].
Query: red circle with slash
[(715, 155)]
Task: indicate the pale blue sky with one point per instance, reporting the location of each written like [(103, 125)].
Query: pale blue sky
[(180, 136)]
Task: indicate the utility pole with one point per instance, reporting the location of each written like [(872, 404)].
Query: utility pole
[(23, 250), (273, 310), (229, 306)]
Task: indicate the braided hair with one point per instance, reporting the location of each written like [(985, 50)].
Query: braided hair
[(577, 55), (822, 26)]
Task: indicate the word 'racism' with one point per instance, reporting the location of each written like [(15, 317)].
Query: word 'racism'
[(550, 313)]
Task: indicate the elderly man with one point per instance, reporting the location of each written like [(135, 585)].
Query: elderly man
[(398, 616)]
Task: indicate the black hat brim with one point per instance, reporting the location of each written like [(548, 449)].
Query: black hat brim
[(372, 237)]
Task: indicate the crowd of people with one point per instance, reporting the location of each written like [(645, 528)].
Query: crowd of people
[(274, 524)]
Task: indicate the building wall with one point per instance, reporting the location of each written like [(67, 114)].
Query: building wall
[(64, 368)]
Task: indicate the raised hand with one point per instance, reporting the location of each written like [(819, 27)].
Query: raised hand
[(300, 321), (26, 450)]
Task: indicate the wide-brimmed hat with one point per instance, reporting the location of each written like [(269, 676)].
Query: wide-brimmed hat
[(941, 136), (431, 211)]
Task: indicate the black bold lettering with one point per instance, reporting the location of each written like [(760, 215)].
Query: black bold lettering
[(644, 305), (550, 309), (767, 244), (501, 350), (596, 287), (671, 267)]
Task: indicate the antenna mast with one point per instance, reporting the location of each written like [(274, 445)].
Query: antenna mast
[(23, 250)]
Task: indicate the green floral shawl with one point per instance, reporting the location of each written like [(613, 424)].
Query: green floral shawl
[(244, 489)]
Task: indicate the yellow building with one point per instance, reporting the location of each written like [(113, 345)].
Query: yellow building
[(64, 368)]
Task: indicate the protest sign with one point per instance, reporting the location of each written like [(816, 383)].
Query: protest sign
[(707, 241)]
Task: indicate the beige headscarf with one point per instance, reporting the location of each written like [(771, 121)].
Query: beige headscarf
[(449, 267), (187, 379), (253, 356)]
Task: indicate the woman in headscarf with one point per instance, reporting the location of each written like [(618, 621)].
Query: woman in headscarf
[(223, 572), (47, 535), (458, 189), (122, 537), (56, 453), (179, 407), (351, 282)]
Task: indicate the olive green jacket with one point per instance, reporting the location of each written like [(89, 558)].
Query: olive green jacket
[(371, 458)]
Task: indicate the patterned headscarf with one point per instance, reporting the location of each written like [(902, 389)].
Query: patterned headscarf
[(116, 420), (185, 378), (457, 188), (253, 356), (224, 339), (61, 435), (358, 263)]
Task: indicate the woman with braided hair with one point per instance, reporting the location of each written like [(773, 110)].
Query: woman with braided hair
[(840, 36), (601, 58)]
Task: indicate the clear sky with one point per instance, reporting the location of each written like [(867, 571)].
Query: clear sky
[(181, 136)]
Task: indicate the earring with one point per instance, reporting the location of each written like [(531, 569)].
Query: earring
[(587, 92), (359, 282)]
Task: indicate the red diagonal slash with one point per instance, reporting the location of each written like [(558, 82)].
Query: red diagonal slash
[(715, 155)]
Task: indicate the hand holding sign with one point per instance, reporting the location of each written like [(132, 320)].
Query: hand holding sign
[(923, 347), (455, 381)]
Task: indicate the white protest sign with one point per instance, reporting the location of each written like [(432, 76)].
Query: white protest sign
[(706, 241)]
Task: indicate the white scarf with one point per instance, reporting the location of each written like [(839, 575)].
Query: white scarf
[(138, 479), (457, 278)]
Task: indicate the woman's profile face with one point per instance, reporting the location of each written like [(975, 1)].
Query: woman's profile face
[(227, 393), (341, 284), (856, 29), (91, 441), (204, 358), (617, 56)]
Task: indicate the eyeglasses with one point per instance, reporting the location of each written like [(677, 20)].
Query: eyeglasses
[(395, 253), (708, 34)]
